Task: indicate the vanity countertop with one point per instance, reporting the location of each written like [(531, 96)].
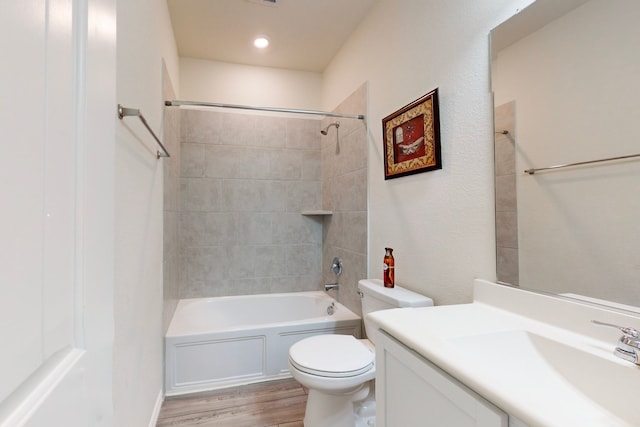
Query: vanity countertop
[(537, 357)]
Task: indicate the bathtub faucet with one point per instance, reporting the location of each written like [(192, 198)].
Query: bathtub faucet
[(331, 286), (336, 268)]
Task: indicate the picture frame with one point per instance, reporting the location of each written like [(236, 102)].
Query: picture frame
[(411, 138)]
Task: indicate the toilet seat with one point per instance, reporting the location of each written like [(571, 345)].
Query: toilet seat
[(332, 356)]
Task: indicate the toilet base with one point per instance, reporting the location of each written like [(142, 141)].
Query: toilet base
[(365, 411), (335, 410)]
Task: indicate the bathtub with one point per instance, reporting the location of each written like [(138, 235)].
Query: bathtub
[(220, 342)]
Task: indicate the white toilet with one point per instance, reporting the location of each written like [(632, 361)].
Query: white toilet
[(339, 370)]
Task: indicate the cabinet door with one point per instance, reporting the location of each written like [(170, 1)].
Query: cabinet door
[(411, 391)]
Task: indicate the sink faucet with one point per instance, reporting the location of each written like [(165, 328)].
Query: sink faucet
[(629, 343)]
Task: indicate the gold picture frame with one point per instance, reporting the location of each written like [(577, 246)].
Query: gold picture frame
[(412, 138)]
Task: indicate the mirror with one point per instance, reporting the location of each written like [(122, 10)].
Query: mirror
[(565, 77)]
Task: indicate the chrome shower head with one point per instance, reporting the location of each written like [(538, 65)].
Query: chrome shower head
[(326, 130)]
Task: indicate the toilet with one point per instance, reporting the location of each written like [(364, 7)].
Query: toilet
[(338, 370)]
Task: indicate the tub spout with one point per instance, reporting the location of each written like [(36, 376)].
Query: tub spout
[(331, 286)]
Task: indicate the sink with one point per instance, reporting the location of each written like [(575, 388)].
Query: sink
[(536, 357), (580, 378)]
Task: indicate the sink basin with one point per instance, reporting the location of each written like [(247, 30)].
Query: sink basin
[(554, 370)]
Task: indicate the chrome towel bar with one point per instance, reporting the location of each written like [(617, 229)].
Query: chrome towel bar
[(125, 112), (534, 170)]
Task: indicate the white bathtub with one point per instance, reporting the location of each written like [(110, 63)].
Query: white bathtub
[(225, 341)]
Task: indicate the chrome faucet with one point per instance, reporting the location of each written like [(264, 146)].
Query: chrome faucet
[(331, 286), (629, 343), (336, 268)]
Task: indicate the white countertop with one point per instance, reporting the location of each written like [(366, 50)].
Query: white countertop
[(510, 358)]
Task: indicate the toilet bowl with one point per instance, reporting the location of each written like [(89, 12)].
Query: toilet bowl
[(339, 370)]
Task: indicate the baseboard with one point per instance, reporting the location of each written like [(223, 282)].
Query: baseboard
[(156, 409)]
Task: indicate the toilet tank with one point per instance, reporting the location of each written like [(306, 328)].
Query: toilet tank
[(375, 297)]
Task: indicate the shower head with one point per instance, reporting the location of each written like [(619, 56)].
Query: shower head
[(326, 130)]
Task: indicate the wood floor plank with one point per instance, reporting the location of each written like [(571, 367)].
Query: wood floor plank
[(272, 404), (237, 396), (258, 415)]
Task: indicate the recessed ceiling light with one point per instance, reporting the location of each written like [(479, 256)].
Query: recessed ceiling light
[(261, 42)]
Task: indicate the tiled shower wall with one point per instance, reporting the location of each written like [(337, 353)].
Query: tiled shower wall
[(507, 265), (245, 178), (344, 192), (171, 205)]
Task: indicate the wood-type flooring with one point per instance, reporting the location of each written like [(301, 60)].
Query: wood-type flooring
[(270, 404)]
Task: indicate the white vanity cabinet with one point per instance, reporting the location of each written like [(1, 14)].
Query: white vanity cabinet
[(411, 391), (534, 356)]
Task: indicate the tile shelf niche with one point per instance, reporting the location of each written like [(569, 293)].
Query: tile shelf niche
[(316, 212)]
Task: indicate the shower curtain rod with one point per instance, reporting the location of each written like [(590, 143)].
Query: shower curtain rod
[(175, 103)]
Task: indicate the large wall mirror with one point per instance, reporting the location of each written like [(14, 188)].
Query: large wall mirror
[(566, 83)]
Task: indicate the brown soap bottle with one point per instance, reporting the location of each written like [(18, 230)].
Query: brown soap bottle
[(388, 268)]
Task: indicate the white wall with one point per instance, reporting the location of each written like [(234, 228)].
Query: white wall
[(144, 40), (578, 227), (221, 82), (440, 223)]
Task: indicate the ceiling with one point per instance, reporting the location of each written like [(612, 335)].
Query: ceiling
[(304, 34)]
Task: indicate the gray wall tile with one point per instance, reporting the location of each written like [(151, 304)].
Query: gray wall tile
[(270, 261), (201, 195), (236, 193), (507, 229), (285, 164), (192, 160), (232, 162), (270, 131), (238, 129), (171, 207), (199, 126), (506, 199), (244, 180), (507, 266), (344, 191), (303, 195), (303, 134)]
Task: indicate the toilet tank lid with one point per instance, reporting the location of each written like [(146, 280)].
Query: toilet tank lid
[(397, 296)]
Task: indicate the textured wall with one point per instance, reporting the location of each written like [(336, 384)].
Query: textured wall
[(440, 223), (344, 192), (245, 180)]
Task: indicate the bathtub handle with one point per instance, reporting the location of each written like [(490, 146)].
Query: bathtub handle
[(336, 267)]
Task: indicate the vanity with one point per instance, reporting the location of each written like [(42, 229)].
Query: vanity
[(511, 358)]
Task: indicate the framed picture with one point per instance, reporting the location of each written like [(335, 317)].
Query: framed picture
[(412, 138)]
